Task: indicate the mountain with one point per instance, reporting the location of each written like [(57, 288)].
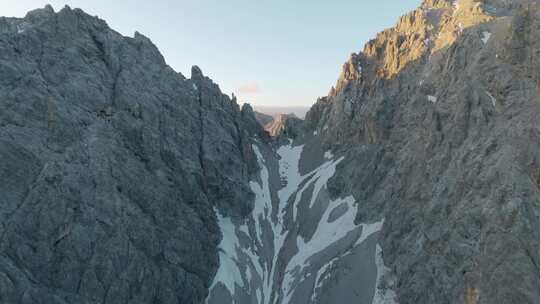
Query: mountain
[(285, 125), (263, 119), (437, 121), (281, 126), (299, 111), (416, 180), (112, 165)]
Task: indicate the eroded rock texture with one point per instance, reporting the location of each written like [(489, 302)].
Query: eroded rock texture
[(439, 119), (111, 166)]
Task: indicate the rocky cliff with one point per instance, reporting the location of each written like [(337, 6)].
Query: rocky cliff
[(438, 118), (111, 166), (285, 126), (263, 119), (415, 180)]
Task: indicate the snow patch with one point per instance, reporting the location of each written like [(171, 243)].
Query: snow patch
[(263, 203), (318, 178), (322, 275), (326, 234), (328, 154), (262, 226), (493, 99), (231, 250), (228, 272), (315, 133), (21, 28), (485, 37), (262, 212), (432, 98), (248, 274), (382, 296), (289, 171), (369, 229)]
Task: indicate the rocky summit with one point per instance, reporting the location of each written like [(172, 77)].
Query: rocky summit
[(416, 180)]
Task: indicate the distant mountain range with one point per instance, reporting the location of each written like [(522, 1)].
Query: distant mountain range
[(300, 112)]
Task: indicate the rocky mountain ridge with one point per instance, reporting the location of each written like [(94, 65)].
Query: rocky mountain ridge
[(284, 125), (263, 119), (112, 166), (437, 118)]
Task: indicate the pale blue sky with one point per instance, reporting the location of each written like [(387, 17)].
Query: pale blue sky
[(273, 53)]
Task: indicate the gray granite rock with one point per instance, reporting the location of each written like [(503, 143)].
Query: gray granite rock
[(111, 166), (438, 119), (284, 127), (263, 119)]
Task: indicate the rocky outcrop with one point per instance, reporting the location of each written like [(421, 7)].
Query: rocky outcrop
[(111, 166), (439, 127), (263, 119), (285, 125)]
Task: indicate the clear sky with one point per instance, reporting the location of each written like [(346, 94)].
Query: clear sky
[(272, 53)]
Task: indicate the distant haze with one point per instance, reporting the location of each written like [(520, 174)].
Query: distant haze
[(273, 111)]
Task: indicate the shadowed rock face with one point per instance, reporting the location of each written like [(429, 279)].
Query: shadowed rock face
[(111, 165), (263, 119)]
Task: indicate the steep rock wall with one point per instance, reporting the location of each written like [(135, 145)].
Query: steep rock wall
[(111, 166), (438, 119)]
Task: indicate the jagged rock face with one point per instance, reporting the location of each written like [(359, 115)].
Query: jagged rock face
[(111, 166), (440, 130), (263, 119), (284, 125)]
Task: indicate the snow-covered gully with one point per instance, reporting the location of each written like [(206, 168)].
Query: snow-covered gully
[(291, 248)]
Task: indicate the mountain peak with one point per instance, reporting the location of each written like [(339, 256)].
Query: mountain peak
[(49, 8), (196, 72)]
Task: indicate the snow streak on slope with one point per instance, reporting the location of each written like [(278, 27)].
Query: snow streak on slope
[(228, 273), (328, 231), (263, 203), (255, 266), (234, 253), (485, 37), (261, 214), (289, 172), (382, 296), (323, 273)]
